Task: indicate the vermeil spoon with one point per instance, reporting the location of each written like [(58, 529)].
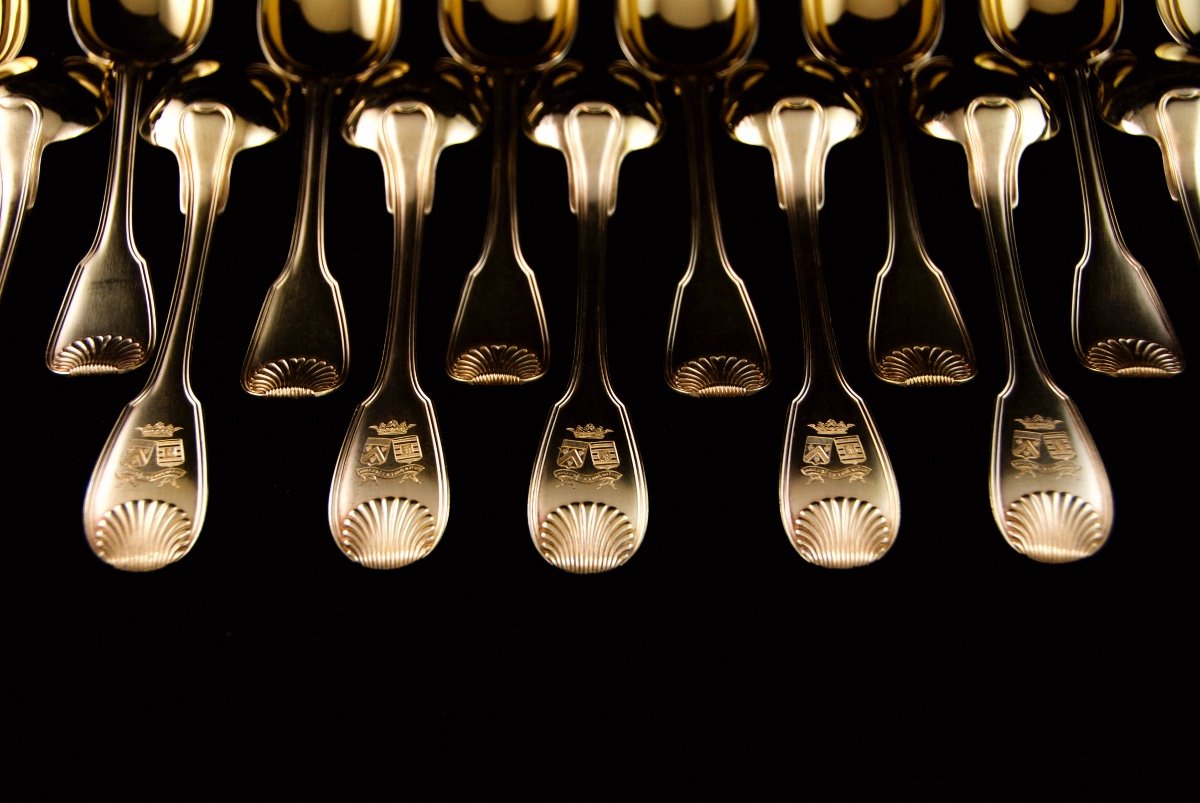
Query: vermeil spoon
[(715, 345), (837, 491), (300, 346), (146, 502), (587, 498), (1119, 326), (1050, 494), (1158, 96), (40, 104), (916, 334), (390, 496), (1182, 20), (107, 322), (499, 336)]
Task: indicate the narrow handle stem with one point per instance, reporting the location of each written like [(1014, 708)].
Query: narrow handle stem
[(409, 158), (117, 214), (309, 233), (706, 219), (1099, 223), (204, 171), (502, 209), (891, 112), (994, 128)]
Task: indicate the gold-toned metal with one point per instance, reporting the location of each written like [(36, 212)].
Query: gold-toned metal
[(300, 346), (499, 336), (588, 501), (149, 490), (107, 322), (1159, 97), (1182, 19), (390, 495), (40, 104), (916, 334), (1050, 493), (1119, 326), (14, 25), (715, 345), (837, 491)]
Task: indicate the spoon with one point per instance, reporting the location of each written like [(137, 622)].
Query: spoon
[(1159, 97), (14, 24), (146, 501), (916, 334), (300, 346), (107, 322), (1050, 494), (1182, 20), (499, 335), (1118, 324), (40, 104), (587, 496), (715, 345), (837, 492), (390, 496)]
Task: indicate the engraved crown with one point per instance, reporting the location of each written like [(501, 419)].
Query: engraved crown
[(158, 430), (1038, 423), (590, 432), (831, 427), (393, 427)]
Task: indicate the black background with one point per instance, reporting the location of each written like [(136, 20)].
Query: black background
[(716, 606)]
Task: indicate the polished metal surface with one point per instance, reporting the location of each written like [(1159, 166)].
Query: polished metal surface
[(499, 335), (107, 323), (1118, 323), (14, 24), (1049, 489), (715, 343), (301, 345), (147, 498), (837, 491), (916, 334), (588, 501), (1158, 96), (390, 497), (1182, 19), (40, 104)]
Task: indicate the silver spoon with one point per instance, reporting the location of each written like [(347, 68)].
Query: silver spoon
[(40, 104), (916, 334), (499, 335), (1049, 491), (715, 344), (145, 505), (587, 497), (14, 25), (107, 322), (837, 491), (1118, 323), (390, 496), (300, 346)]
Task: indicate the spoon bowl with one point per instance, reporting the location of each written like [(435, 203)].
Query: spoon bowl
[(1182, 20), (14, 25)]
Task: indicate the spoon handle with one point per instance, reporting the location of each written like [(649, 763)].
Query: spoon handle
[(1118, 324), (837, 491), (588, 496), (1050, 494), (499, 335), (107, 320), (390, 496), (1178, 115), (20, 141), (146, 502), (916, 335), (715, 345), (300, 346)]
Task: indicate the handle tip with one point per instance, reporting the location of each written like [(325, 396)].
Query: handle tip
[(718, 377), (388, 533), (496, 365), (102, 354), (1054, 527), (142, 535), (925, 366), (587, 538), (842, 533), (294, 377)]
